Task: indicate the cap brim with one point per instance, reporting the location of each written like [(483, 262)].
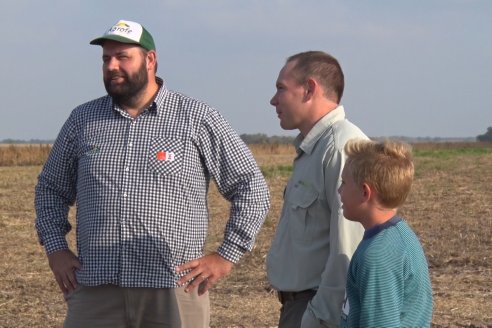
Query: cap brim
[(100, 41)]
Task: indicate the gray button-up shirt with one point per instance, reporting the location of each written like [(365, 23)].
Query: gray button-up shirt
[(314, 242)]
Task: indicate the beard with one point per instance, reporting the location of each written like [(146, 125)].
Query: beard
[(129, 91)]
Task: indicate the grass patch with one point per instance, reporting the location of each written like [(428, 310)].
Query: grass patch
[(270, 171), (451, 152)]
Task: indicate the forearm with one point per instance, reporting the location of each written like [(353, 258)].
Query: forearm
[(248, 211), (51, 217), (327, 303), (344, 239)]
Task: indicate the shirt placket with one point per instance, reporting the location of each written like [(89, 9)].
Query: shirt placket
[(126, 200)]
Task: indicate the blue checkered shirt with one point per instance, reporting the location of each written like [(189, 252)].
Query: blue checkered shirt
[(140, 187)]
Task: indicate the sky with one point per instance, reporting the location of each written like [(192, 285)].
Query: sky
[(415, 68)]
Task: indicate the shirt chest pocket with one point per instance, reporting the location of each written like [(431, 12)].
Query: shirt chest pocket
[(302, 219), (165, 156)]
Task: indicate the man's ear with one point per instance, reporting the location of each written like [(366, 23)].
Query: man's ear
[(151, 59), (311, 86)]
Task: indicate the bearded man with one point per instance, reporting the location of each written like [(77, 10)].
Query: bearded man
[(137, 163)]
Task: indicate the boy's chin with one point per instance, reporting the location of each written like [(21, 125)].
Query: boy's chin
[(350, 218)]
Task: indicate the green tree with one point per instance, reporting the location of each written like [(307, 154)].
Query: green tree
[(487, 136)]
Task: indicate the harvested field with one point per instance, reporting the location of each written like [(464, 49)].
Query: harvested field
[(450, 208)]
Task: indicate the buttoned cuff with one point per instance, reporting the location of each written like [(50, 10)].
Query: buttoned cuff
[(231, 252), (54, 243), (309, 320)]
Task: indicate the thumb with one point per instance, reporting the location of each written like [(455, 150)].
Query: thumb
[(76, 263)]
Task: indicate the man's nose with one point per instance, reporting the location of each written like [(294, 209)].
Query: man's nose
[(111, 64)]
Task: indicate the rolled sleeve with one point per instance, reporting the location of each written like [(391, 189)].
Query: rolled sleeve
[(239, 180), (55, 193), (345, 235)]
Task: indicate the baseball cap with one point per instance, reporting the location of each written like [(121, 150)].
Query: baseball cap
[(127, 32)]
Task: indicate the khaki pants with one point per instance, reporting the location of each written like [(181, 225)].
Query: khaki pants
[(117, 307)]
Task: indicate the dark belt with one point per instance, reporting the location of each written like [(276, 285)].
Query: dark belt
[(294, 296)]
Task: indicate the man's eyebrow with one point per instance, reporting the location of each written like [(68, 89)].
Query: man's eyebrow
[(118, 53)]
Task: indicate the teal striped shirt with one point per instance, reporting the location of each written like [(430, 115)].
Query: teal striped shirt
[(388, 282)]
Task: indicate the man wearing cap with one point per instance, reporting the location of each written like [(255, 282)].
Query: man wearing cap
[(137, 163)]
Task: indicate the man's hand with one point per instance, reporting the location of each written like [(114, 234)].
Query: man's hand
[(205, 272), (63, 264)]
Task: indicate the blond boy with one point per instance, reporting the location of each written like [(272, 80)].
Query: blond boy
[(388, 281)]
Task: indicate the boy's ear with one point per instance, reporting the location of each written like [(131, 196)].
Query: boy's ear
[(366, 192)]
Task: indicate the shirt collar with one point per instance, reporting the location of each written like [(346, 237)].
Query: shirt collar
[(157, 105), (307, 143), (377, 229), (158, 102)]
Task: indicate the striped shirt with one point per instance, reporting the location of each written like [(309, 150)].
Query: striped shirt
[(140, 187), (388, 282)]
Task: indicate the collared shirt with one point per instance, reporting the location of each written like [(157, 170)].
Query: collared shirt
[(314, 242), (388, 282), (140, 186)]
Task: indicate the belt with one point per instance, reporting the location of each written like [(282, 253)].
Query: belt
[(294, 296)]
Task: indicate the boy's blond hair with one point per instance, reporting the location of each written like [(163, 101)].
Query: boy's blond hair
[(386, 166)]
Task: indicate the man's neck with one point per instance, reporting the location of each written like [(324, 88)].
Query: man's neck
[(137, 105), (318, 112)]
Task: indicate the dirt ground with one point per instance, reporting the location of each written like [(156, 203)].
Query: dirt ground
[(450, 208)]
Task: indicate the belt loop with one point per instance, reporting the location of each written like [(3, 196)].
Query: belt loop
[(279, 296)]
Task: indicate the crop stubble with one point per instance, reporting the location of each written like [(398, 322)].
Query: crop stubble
[(450, 208)]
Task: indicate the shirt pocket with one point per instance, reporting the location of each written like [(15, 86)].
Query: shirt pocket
[(166, 156), (301, 203)]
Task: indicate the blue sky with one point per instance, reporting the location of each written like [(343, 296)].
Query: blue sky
[(417, 68)]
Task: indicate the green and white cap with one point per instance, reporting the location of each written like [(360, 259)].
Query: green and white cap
[(127, 32)]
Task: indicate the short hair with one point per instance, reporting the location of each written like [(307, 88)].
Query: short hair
[(144, 54), (324, 68), (386, 166)]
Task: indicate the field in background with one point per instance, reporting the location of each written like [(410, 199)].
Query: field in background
[(450, 208), (23, 154)]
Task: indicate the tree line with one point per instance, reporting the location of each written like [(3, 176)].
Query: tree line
[(487, 136), (261, 138)]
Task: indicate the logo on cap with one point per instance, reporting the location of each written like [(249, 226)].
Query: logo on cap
[(120, 27)]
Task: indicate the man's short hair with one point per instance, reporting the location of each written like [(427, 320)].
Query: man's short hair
[(144, 54), (386, 166), (324, 68)]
